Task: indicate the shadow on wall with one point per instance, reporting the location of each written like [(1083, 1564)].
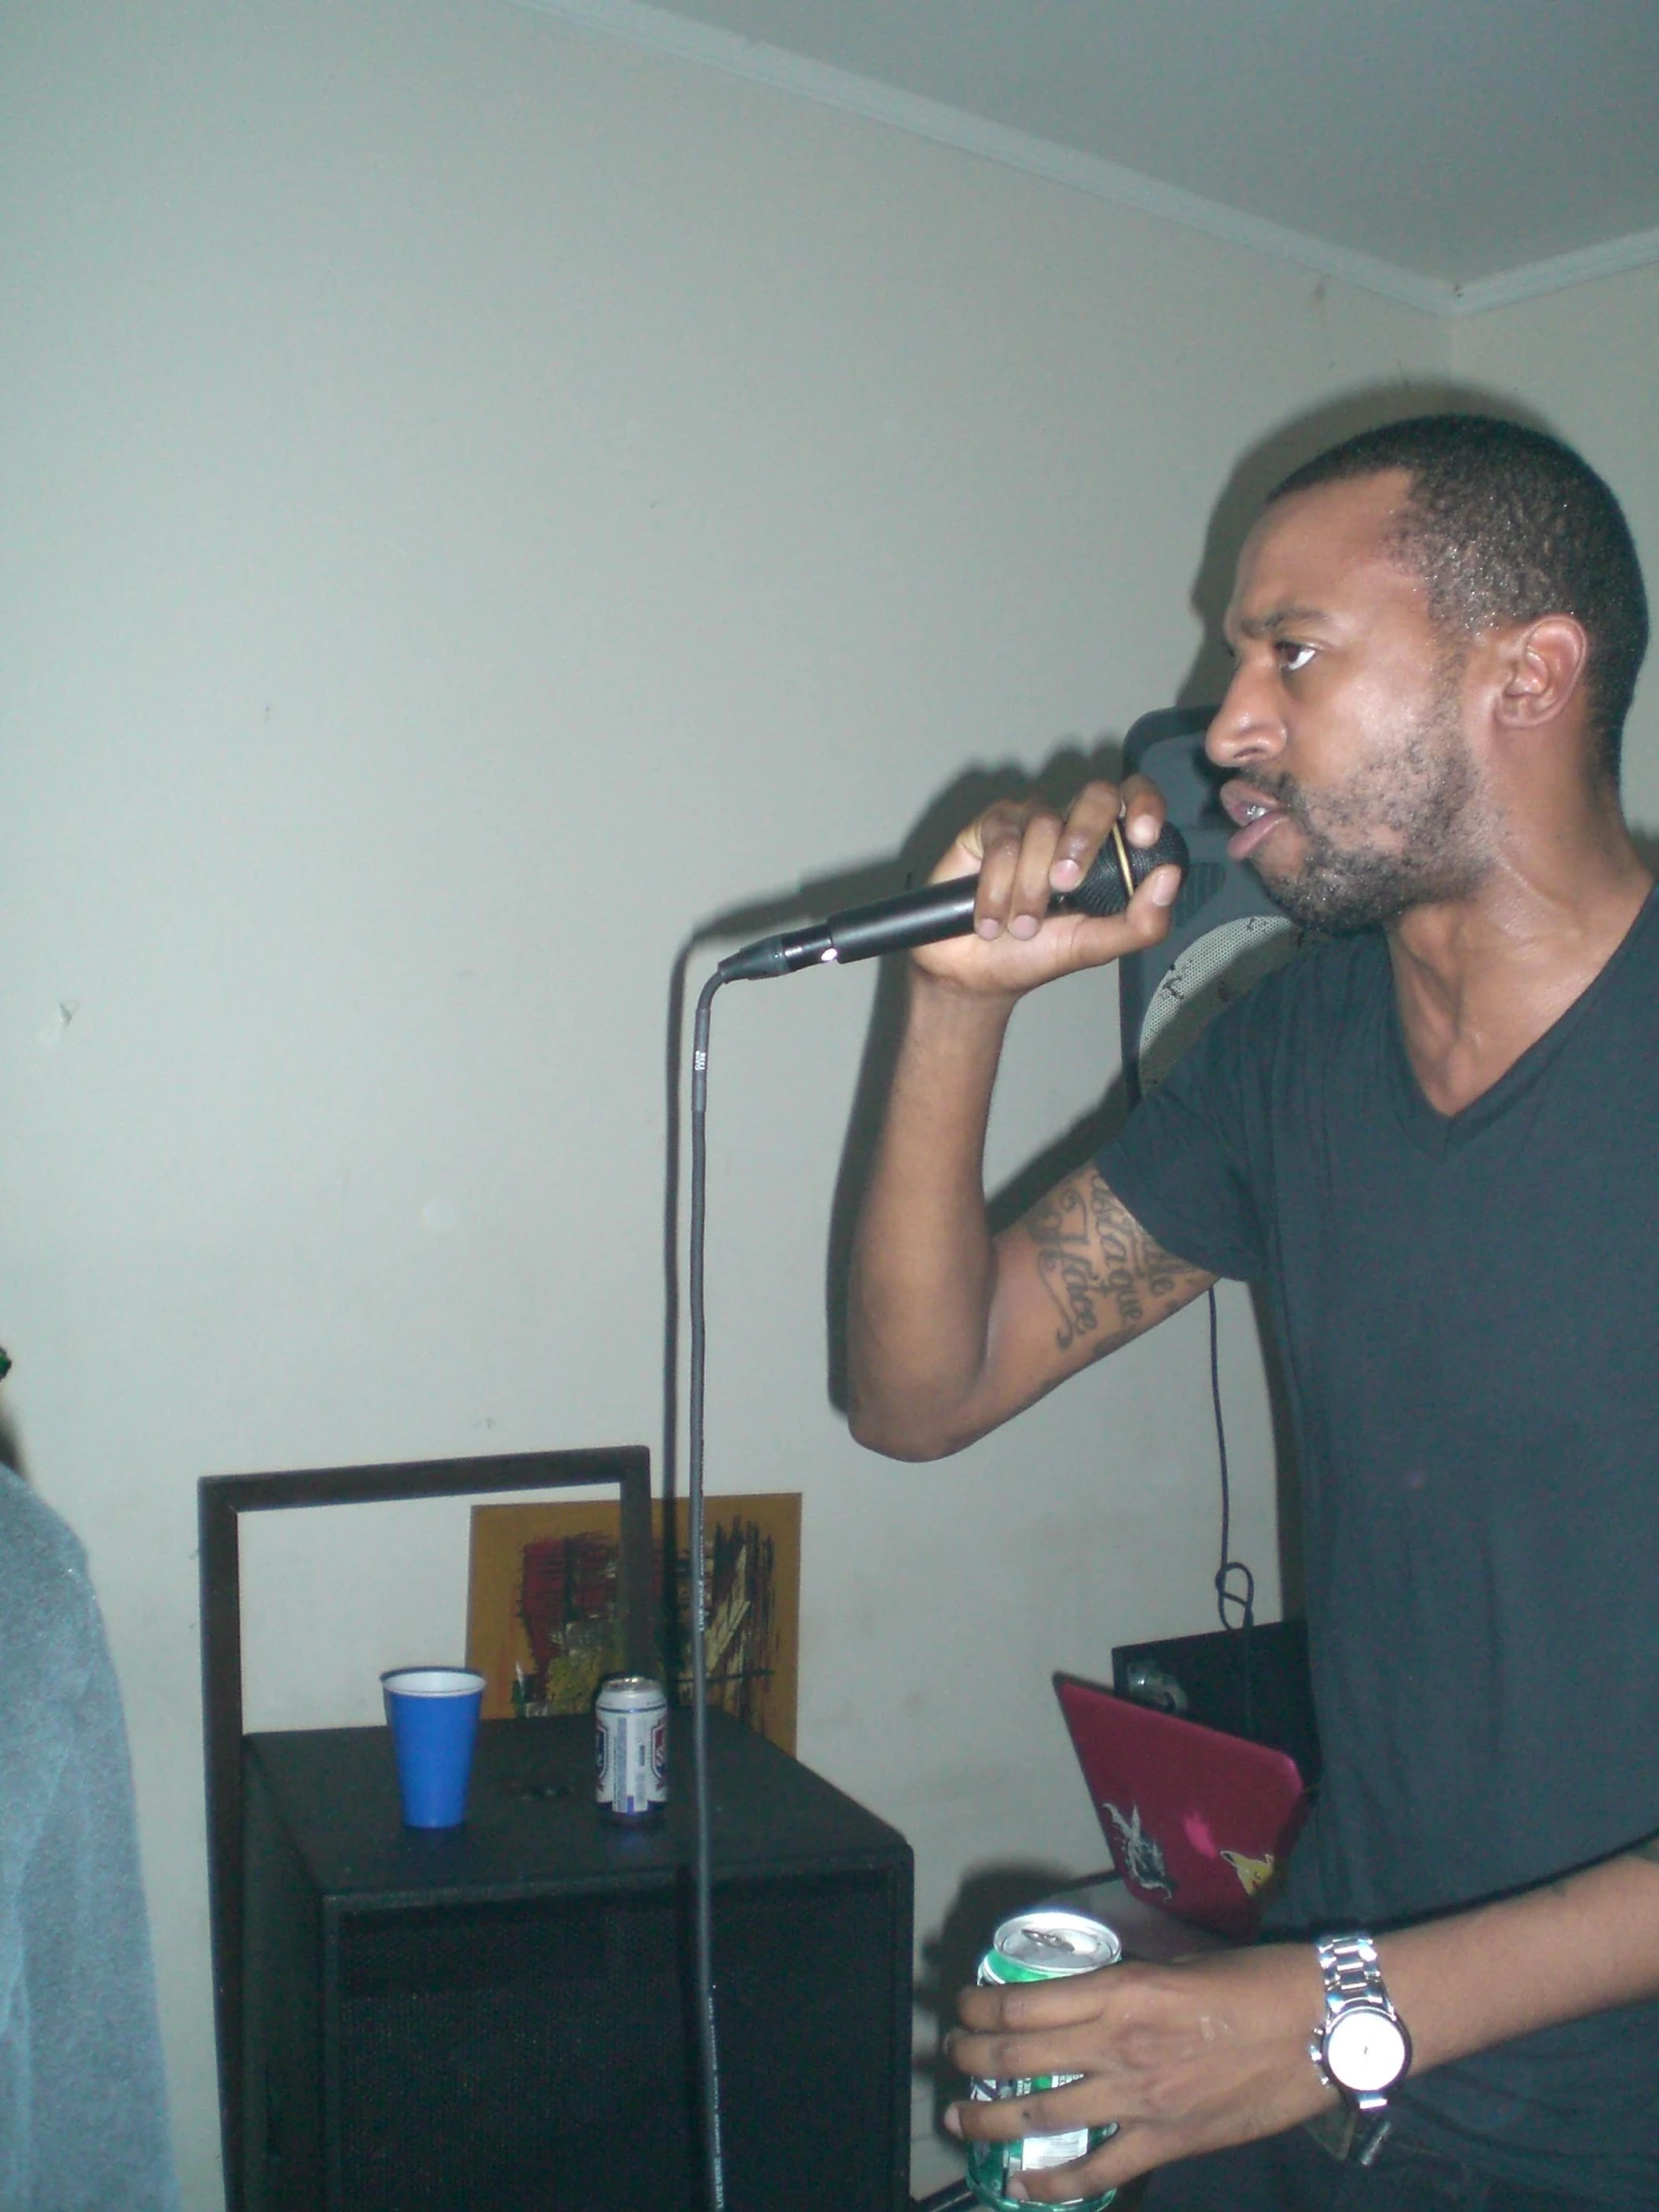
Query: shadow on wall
[(806, 900), (11, 1447), (1271, 460)]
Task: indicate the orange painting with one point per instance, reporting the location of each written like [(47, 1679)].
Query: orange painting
[(544, 1623)]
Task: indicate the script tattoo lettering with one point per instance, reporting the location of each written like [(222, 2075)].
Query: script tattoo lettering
[(1095, 1259), (1059, 1227)]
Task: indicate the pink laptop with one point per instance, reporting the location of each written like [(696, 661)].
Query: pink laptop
[(1198, 1822)]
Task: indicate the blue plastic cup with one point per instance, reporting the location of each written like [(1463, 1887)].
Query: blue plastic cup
[(433, 1713)]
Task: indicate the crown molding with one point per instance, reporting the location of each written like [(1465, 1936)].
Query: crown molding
[(1611, 259), (773, 66)]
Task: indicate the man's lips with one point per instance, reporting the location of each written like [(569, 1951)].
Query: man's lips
[(1256, 814)]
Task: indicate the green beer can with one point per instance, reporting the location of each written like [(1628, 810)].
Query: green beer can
[(1039, 1946)]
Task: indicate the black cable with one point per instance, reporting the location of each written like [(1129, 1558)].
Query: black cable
[(1225, 1594), (703, 1914)]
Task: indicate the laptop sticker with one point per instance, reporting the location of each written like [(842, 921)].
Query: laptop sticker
[(1143, 1854), (1255, 1873)]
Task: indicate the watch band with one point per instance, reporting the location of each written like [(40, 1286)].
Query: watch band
[(1352, 1970), (1353, 1984)]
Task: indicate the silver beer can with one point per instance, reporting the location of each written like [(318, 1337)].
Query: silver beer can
[(630, 1746)]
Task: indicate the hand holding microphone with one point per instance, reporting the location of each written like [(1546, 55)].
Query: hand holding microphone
[(1031, 865)]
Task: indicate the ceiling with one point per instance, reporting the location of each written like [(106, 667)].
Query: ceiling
[(1426, 146)]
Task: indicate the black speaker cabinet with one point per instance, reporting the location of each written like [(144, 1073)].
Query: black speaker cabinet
[(499, 2018)]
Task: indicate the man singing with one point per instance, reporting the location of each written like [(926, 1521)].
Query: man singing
[(1433, 1140)]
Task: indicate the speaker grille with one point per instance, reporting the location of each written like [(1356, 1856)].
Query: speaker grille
[(525, 2058), (1213, 970)]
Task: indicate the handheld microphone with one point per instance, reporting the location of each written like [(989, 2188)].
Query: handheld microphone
[(945, 910)]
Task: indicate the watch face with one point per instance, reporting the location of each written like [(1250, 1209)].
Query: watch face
[(1366, 2050)]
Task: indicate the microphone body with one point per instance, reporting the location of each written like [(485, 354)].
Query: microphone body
[(945, 910)]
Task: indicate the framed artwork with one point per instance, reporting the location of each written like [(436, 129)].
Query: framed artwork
[(544, 1626)]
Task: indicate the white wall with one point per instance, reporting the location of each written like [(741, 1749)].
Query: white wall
[(479, 499), (1587, 360)]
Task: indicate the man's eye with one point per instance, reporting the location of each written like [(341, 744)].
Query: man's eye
[(1291, 657)]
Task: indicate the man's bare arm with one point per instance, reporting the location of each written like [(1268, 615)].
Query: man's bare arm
[(1191, 2057), (952, 1333)]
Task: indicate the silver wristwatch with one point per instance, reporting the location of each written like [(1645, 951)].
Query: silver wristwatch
[(1360, 2046)]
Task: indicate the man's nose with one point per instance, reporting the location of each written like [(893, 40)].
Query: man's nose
[(1247, 726)]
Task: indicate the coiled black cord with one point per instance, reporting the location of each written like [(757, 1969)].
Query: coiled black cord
[(1226, 1595)]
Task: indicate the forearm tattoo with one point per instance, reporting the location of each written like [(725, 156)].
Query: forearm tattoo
[(1106, 1275)]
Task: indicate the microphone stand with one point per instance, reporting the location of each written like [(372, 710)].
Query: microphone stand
[(703, 1880)]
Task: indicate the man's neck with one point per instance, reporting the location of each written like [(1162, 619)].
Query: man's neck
[(1480, 980)]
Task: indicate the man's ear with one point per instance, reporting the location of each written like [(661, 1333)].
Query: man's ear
[(1541, 669)]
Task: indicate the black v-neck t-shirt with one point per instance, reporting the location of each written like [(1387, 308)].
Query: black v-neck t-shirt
[(1468, 1309)]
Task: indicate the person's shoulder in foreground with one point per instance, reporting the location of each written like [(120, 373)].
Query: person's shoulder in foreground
[(83, 2107)]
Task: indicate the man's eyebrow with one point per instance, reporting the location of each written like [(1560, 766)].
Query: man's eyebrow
[(1263, 626)]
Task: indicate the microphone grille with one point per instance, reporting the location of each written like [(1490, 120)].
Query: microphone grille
[(1104, 891)]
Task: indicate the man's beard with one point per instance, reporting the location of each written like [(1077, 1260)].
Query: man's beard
[(1419, 800)]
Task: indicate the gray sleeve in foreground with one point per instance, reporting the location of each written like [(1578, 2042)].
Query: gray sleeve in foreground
[(83, 2104), (97, 2090)]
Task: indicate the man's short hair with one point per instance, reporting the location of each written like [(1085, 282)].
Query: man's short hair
[(1504, 525)]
